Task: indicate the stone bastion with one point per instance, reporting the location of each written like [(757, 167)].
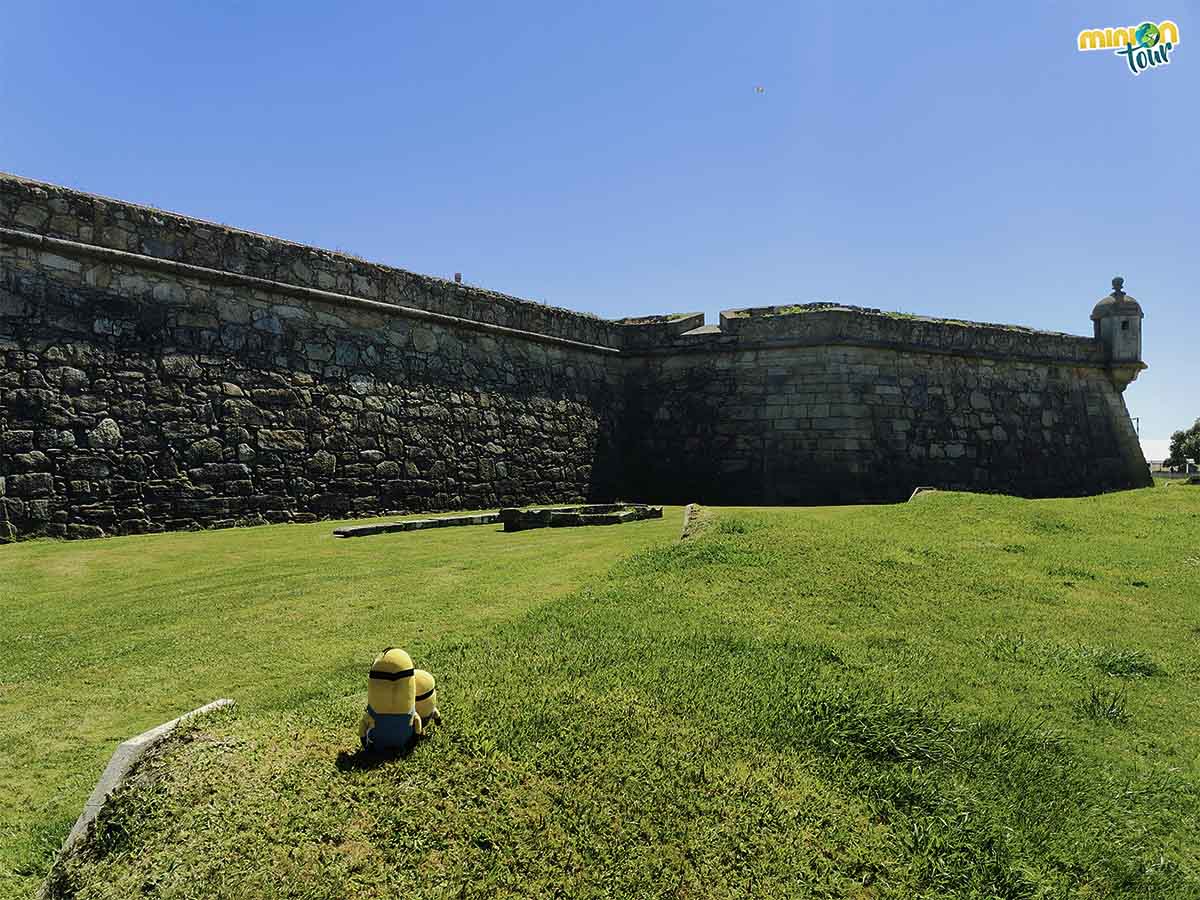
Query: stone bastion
[(162, 372)]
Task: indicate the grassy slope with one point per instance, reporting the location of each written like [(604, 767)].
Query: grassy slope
[(103, 639), (962, 696)]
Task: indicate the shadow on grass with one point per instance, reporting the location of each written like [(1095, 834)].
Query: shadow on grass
[(361, 760)]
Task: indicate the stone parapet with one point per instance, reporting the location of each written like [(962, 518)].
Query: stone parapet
[(32, 208), (59, 212), (830, 325)]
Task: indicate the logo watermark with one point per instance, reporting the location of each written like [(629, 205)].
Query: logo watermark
[(1144, 46)]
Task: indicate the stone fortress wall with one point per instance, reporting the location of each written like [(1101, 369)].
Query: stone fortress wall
[(160, 372), (820, 404), (840, 406)]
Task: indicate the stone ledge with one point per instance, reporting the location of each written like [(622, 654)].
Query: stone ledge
[(119, 767), (574, 516), (416, 525), (837, 326)]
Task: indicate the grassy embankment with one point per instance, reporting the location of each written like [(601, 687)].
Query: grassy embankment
[(100, 640), (961, 696)]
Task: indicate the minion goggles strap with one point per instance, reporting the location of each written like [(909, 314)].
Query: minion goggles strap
[(391, 676), (426, 695)]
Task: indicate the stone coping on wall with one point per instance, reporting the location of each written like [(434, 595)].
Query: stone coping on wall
[(61, 220), (116, 773), (800, 309), (61, 247)]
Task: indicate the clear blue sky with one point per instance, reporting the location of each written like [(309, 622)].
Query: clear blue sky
[(957, 159)]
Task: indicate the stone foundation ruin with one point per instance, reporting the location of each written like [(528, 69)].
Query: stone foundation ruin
[(576, 516)]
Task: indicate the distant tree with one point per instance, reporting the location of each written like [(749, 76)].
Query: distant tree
[(1185, 445)]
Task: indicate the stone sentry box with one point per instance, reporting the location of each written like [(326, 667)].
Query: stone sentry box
[(1117, 319), (160, 372)]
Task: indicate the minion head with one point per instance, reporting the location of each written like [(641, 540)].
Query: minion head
[(426, 691), (390, 688)]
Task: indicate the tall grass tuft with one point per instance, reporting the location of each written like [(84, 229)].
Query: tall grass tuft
[(1106, 705)]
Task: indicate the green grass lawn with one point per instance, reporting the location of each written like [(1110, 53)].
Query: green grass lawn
[(965, 696), (101, 640)]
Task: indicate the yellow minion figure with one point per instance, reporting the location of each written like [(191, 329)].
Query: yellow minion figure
[(426, 689), (391, 721)]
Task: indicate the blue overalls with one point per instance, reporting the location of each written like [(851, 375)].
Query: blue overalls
[(391, 731)]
